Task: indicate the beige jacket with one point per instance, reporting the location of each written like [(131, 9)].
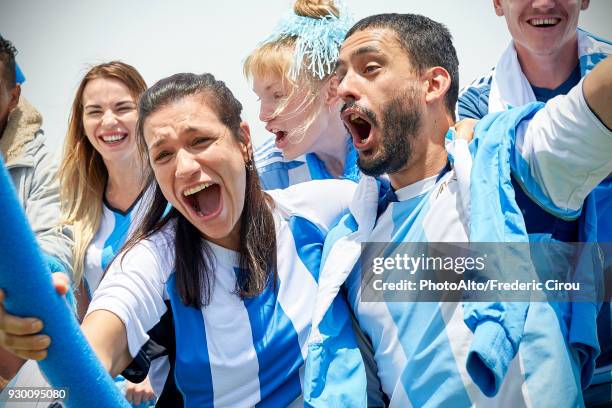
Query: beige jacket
[(33, 172)]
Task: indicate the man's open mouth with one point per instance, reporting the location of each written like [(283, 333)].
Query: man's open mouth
[(358, 125), (544, 22), (204, 199)]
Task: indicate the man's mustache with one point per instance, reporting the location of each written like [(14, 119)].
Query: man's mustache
[(363, 111)]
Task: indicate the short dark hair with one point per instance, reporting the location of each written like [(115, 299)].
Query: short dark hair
[(427, 42), (7, 60), (193, 256)]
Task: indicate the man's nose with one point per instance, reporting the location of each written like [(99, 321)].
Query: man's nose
[(348, 88)]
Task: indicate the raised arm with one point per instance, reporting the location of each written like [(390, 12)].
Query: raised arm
[(597, 89), (564, 151), (104, 331)]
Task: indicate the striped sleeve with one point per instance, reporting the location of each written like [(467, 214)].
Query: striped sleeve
[(133, 289), (473, 101), (562, 154)]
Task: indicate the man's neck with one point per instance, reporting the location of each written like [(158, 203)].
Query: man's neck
[(431, 160), (548, 70)]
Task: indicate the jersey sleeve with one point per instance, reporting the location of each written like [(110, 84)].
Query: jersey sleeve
[(562, 154), (134, 289), (322, 202), (473, 102)]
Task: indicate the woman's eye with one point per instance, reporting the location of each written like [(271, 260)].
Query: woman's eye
[(278, 95), (125, 109), (370, 68), (93, 113)]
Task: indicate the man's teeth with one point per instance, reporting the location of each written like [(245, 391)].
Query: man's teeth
[(195, 189), (544, 21), (356, 119), (112, 138)]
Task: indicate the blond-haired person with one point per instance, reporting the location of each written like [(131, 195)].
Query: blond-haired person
[(292, 73), (102, 178)]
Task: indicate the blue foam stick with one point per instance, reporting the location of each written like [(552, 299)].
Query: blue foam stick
[(26, 281)]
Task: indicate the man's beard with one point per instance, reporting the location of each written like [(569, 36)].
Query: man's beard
[(401, 121)]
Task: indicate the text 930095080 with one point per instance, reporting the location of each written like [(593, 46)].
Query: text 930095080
[(33, 394)]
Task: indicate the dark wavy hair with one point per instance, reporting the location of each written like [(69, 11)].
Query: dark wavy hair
[(7, 62), (194, 261)]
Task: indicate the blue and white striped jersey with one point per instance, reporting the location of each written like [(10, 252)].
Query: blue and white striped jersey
[(506, 86), (115, 226), (276, 172), (234, 352), (422, 348)]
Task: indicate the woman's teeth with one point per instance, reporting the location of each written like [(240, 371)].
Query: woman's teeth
[(196, 189), (112, 138)]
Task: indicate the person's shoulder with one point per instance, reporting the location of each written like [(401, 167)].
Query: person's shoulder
[(275, 171), (157, 248), (319, 201), (599, 41), (474, 98), (268, 157), (37, 145), (316, 191)]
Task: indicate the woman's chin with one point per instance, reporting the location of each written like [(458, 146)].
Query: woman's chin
[(292, 153)]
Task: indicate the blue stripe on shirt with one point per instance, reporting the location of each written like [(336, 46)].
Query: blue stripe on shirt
[(279, 377), (116, 239), (308, 243), (192, 371)]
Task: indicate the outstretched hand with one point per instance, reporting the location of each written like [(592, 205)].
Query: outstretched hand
[(19, 335)]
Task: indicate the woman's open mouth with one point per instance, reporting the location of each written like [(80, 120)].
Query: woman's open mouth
[(204, 199), (281, 139), (112, 139)]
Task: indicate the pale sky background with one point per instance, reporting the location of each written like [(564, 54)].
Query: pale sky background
[(58, 40)]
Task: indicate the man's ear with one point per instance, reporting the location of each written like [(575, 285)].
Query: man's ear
[(15, 94), (438, 83), (245, 143), (499, 10), (331, 91)]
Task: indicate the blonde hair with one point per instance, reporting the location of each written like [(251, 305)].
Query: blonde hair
[(275, 58), (82, 172), (315, 8)]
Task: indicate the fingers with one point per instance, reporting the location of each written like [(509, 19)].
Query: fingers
[(139, 393), (18, 335), (129, 392), (61, 282), (137, 398), (39, 342), (19, 326), (31, 355), (465, 129)]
